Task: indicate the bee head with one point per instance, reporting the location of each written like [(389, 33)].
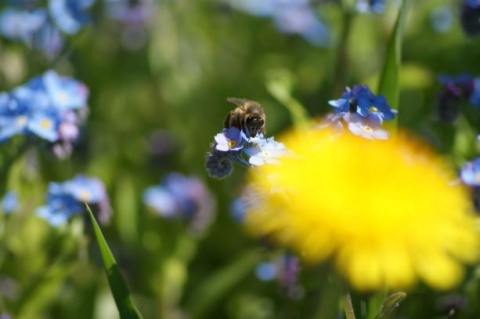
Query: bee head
[(254, 125)]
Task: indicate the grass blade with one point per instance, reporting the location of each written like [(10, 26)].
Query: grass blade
[(121, 294), (389, 81)]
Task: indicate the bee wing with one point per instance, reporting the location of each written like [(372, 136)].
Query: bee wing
[(237, 101)]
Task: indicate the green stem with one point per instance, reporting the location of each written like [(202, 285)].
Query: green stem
[(8, 160), (342, 53), (347, 303)]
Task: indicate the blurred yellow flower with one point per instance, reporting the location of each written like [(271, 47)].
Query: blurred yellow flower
[(385, 212)]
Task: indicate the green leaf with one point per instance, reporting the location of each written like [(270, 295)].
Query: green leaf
[(121, 294), (390, 79), (390, 305)]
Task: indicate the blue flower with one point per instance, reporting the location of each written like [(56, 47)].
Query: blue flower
[(48, 40), (266, 271), (70, 15), (65, 93), (16, 112), (470, 173), (21, 25), (9, 202), (68, 129), (182, 197), (266, 152), (374, 6), (61, 205), (230, 139), (44, 125), (367, 127), (161, 200), (442, 19), (300, 18), (85, 189), (285, 269), (67, 199)]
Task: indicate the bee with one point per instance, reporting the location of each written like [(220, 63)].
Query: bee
[(248, 116)]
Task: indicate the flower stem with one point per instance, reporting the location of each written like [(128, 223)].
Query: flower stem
[(342, 52), (347, 303)]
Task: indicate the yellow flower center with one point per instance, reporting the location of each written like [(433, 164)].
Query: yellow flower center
[(373, 109), (46, 124), (232, 144), (21, 121), (367, 128), (84, 195), (62, 97)]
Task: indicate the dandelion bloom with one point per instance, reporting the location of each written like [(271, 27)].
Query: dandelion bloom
[(384, 212)]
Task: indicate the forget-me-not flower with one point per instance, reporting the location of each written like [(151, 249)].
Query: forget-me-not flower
[(267, 152), (48, 107), (230, 139), (368, 127), (182, 197), (362, 111), (67, 199), (21, 25), (361, 100), (70, 15)]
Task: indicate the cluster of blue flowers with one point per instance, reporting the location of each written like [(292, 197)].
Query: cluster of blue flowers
[(300, 16), (183, 198), (43, 28), (362, 111), (68, 199), (48, 107), (290, 17), (231, 145)]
